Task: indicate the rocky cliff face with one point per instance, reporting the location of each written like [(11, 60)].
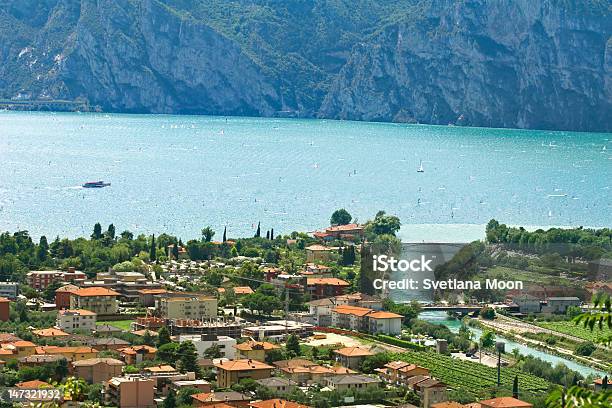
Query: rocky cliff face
[(525, 63), (520, 64)]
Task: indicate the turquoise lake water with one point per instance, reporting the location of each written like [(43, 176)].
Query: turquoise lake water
[(179, 173)]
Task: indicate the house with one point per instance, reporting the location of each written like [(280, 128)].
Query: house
[(312, 373), (9, 289), (350, 232), (505, 402), (106, 330), (73, 353), (130, 392), (182, 252), (186, 306), (294, 362), (255, 350), (351, 382), (238, 290), (598, 384), (108, 343), (276, 403), (397, 372), (203, 342), (201, 385), (17, 349), (351, 318), (215, 399), (319, 253), (231, 372), (527, 303), (137, 354), (71, 320), (317, 270), (276, 329), (278, 385), (146, 297), (97, 370), (5, 309), (431, 391), (99, 300), (560, 304), (40, 280), (62, 296), (326, 287), (37, 360), (385, 323), (351, 357), (321, 311), (51, 333)]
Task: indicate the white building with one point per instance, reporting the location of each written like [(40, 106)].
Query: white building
[(9, 290), (204, 342), (71, 320)]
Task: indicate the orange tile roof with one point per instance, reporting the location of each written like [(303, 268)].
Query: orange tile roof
[(242, 365), (33, 384), (448, 404), (23, 343), (243, 290), (66, 350), (50, 332), (95, 291), (326, 281), (80, 312), (396, 365), (4, 300), (152, 291), (352, 310), (160, 368), (354, 352), (506, 402), (342, 370), (277, 403), (67, 288), (385, 315), (136, 349), (347, 227), (411, 367), (256, 345)]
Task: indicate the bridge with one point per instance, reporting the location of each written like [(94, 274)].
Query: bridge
[(456, 308)]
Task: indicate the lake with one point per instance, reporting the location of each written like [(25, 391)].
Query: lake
[(178, 174)]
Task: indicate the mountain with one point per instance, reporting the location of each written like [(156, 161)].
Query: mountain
[(521, 63)]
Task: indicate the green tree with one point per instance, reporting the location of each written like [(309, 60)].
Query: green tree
[(515, 387), (97, 232), (207, 234), (188, 358), (213, 351), (340, 217), (225, 234), (601, 318), (184, 395), (170, 400), (258, 232), (110, 232), (585, 349), (293, 345), (153, 250), (168, 352), (384, 224), (175, 251), (74, 388), (42, 252), (163, 336)]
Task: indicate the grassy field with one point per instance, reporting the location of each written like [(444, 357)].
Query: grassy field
[(120, 324), (571, 328), (503, 272)]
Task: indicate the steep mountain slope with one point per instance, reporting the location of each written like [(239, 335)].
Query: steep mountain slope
[(525, 63)]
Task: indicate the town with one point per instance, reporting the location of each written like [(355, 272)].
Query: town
[(280, 321)]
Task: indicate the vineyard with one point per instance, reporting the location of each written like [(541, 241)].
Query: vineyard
[(477, 378), (568, 327)]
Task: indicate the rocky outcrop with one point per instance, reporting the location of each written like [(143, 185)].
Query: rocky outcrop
[(525, 63)]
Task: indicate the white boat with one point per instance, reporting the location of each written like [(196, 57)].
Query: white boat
[(421, 169)]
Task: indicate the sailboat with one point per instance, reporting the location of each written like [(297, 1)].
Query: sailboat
[(421, 169)]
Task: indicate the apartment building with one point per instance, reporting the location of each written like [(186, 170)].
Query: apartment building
[(9, 289), (97, 370), (366, 320), (101, 301), (42, 279), (255, 350), (186, 306), (203, 342), (71, 320), (130, 392), (231, 372)]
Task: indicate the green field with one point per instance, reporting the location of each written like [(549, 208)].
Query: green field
[(506, 273), (120, 324), (472, 376), (568, 327)]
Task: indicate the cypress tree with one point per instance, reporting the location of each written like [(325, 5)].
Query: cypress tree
[(175, 251), (111, 231), (272, 234), (97, 232), (258, 232), (225, 234), (153, 250), (515, 392), (267, 234)]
